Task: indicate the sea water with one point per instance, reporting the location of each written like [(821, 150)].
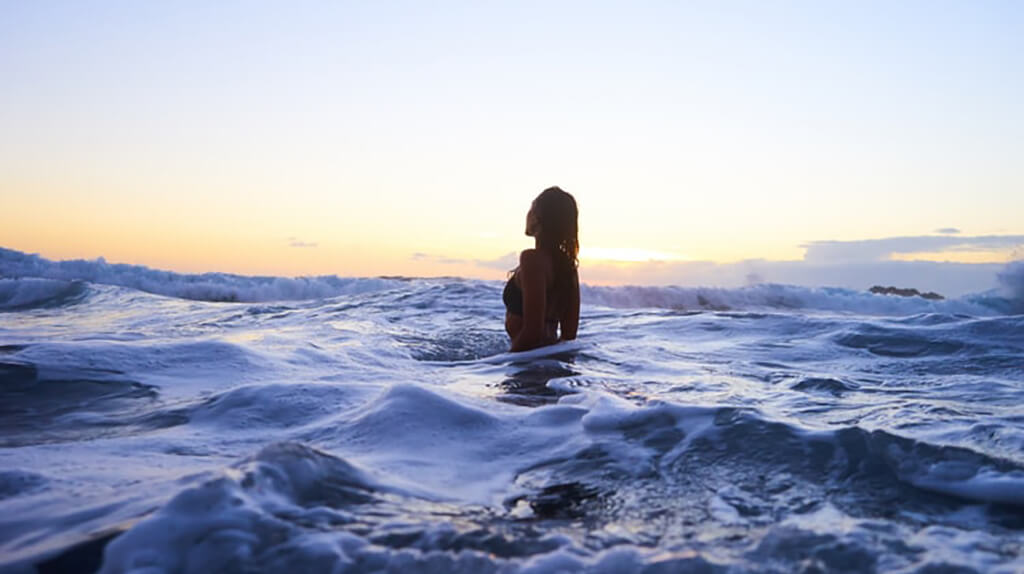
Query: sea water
[(152, 422)]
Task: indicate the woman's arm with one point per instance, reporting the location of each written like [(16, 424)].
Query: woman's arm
[(570, 319), (532, 282)]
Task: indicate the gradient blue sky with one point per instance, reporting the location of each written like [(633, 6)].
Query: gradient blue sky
[(347, 137)]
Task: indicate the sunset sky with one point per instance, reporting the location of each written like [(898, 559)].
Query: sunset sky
[(367, 138)]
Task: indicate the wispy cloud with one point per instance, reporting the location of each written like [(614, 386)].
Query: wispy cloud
[(948, 231), (296, 242), (505, 262), (442, 259), (884, 249), (950, 279)]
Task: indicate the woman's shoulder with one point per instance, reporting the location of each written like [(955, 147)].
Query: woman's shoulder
[(534, 257), (535, 260)]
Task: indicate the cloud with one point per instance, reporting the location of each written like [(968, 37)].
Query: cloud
[(296, 242), (949, 279), (852, 264), (868, 250), (443, 260), (948, 231), (504, 263)]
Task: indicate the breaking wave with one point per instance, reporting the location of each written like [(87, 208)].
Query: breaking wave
[(202, 287), (18, 294), (32, 280)]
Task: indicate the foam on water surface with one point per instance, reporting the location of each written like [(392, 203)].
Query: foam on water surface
[(560, 348), (381, 425)]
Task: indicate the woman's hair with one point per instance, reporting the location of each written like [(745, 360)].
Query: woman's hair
[(557, 215)]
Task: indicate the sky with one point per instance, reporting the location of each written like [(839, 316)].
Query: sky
[(713, 141)]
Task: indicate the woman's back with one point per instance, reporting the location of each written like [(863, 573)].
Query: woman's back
[(542, 295)]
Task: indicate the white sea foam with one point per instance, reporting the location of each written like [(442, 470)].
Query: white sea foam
[(560, 348), (1011, 280), (770, 297), (62, 275), (203, 287), (390, 431), (983, 484), (35, 292)]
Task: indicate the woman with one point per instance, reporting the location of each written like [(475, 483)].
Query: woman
[(543, 294)]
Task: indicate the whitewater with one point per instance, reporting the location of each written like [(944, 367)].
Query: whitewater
[(155, 422)]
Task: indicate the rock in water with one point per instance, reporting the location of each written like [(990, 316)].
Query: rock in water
[(905, 292)]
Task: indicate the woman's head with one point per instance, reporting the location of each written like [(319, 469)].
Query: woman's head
[(552, 219)]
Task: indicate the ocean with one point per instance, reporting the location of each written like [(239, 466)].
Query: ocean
[(154, 422)]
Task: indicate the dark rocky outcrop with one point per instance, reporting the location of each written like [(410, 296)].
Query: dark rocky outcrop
[(905, 292)]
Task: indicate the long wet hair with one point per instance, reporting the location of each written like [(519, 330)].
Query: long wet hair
[(557, 215)]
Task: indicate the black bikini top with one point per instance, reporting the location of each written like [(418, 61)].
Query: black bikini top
[(513, 297)]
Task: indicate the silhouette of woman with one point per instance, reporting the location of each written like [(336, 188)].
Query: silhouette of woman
[(542, 297)]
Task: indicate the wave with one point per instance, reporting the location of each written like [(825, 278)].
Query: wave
[(224, 287), (592, 459), (17, 266), (792, 298), (20, 294), (1011, 281)]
